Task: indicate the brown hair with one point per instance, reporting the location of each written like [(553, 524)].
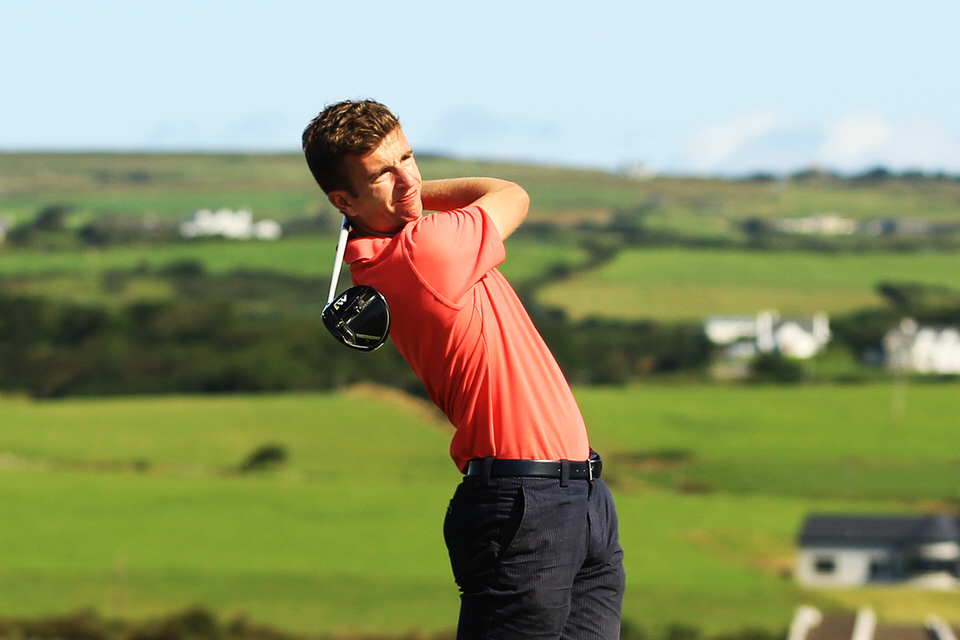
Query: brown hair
[(340, 130)]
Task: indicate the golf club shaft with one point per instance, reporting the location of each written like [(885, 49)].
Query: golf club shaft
[(337, 262)]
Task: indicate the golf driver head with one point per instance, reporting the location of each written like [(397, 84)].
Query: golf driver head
[(359, 318)]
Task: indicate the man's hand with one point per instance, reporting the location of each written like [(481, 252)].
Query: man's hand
[(505, 202)]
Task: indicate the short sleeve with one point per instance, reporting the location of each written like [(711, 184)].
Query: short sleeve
[(452, 251)]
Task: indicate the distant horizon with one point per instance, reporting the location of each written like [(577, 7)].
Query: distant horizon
[(624, 170)]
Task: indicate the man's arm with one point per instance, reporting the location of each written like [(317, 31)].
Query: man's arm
[(505, 202)]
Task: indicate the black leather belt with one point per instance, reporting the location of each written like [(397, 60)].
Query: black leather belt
[(499, 468)]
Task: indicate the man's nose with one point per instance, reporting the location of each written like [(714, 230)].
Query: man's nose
[(405, 177)]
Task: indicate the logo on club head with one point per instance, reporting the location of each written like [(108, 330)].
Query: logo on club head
[(358, 318)]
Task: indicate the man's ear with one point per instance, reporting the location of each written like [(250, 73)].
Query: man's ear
[(341, 200)]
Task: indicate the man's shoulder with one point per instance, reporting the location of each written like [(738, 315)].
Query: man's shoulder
[(449, 249), (453, 217), (469, 224)]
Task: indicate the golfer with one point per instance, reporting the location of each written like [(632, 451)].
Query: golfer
[(532, 529)]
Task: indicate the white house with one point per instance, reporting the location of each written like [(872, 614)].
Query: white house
[(229, 224), (730, 329), (745, 336), (826, 224), (922, 349), (852, 551)]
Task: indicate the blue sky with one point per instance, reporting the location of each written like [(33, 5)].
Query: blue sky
[(687, 86)]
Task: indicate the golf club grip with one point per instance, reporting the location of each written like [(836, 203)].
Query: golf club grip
[(338, 260)]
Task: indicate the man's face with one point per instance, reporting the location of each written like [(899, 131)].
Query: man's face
[(387, 184)]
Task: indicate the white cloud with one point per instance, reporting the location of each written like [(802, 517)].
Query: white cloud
[(927, 145), (713, 146), (857, 142), (855, 139), (853, 142)]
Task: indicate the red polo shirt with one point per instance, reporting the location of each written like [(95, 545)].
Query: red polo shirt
[(462, 329)]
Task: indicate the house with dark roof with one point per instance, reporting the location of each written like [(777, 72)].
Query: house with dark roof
[(852, 551)]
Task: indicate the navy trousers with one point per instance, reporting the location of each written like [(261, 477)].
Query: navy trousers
[(535, 559)]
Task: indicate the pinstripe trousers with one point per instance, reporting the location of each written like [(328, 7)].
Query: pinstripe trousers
[(535, 559)]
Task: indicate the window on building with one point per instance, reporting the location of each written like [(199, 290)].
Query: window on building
[(824, 564), (922, 565), (881, 569)]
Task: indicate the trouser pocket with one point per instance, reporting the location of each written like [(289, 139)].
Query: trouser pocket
[(482, 521)]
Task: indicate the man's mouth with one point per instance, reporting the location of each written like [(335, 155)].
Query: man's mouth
[(410, 196)]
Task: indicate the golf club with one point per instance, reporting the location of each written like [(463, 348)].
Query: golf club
[(359, 317)]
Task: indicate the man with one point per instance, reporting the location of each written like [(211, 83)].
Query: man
[(532, 529)]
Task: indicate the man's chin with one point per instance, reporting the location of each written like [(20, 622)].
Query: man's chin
[(411, 212), (399, 223)]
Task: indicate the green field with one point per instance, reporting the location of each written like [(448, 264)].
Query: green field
[(300, 256), (134, 506), (81, 275), (685, 284), (666, 284)]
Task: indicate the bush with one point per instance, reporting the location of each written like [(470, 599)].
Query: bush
[(83, 625), (193, 624), (682, 632), (774, 367), (630, 631), (266, 457)]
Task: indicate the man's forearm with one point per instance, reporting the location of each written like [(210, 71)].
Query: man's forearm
[(506, 203), (455, 193)]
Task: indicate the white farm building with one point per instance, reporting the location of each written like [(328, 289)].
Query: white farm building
[(227, 223), (922, 349)]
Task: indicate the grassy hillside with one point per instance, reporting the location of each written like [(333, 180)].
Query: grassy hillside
[(134, 506), (662, 283), (299, 256), (84, 275), (673, 284), (857, 442), (279, 186), (165, 185)]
